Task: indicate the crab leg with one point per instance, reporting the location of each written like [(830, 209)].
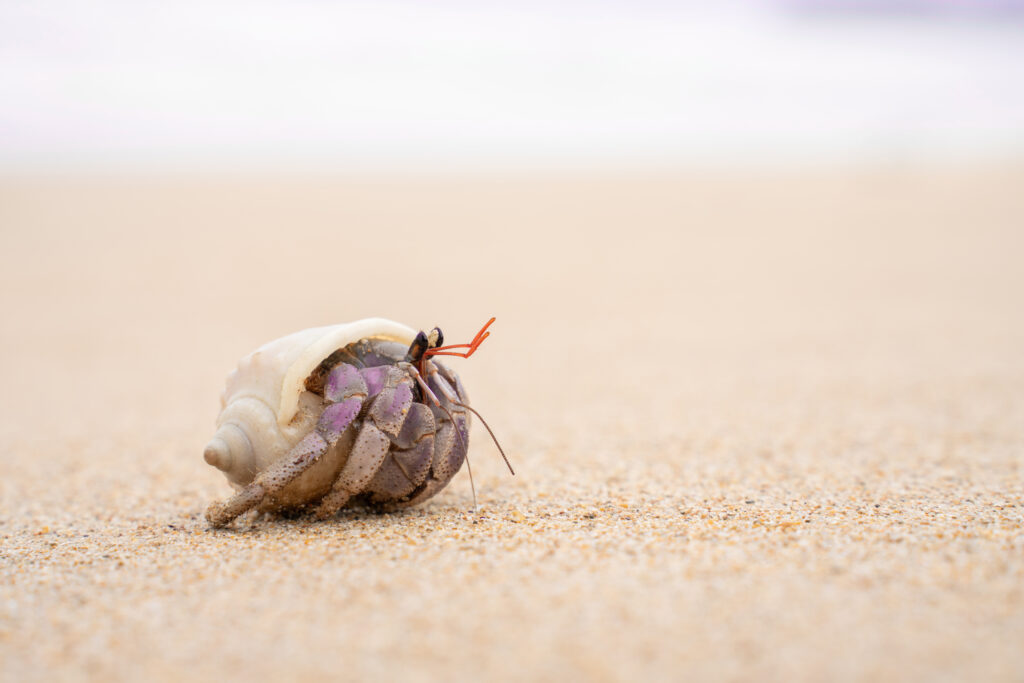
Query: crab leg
[(344, 385), (384, 421), (409, 461), (450, 440)]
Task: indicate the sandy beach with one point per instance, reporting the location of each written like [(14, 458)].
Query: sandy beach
[(766, 426)]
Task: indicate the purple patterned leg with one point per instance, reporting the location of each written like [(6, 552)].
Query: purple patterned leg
[(449, 449), (383, 422), (343, 385), (408, 463)]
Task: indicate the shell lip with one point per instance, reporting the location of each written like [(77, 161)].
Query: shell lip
[(330, 341)]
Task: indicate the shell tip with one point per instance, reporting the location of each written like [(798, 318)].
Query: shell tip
[(218, 454)]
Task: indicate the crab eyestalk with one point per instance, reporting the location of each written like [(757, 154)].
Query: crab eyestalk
[(421, 344), (416, 349)]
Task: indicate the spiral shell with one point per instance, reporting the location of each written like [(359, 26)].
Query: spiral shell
[(265, 409)]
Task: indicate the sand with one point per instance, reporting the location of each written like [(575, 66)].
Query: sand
[(766, 426)]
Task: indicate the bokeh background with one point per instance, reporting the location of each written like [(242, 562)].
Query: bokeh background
[(756, 269), (392, 85)]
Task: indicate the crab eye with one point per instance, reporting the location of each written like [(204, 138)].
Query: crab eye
[(436, 338), (416, 349)]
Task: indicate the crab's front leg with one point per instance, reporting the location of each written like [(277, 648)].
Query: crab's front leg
[(383, 422), (347, 390), (409, 460), (444, 392)]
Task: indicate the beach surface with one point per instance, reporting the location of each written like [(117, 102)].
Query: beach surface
[(766, 426)]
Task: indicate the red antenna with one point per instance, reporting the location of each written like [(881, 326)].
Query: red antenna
[(471, 347)]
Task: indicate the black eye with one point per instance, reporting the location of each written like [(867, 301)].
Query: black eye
[(440, 338), (416, 349)]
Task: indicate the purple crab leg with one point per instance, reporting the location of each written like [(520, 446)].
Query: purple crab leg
[(384, 420), (412, 452), (344, 385)]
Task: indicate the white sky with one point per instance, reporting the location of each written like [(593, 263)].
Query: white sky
[(118, 83)]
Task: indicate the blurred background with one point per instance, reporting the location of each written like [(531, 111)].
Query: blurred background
[(464, 85), (750, 261), (212, 175)]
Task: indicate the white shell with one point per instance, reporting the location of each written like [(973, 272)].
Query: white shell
[(265, 409)]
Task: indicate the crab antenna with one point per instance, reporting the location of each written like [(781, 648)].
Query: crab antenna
[(458, 433), (472, 486), (489, 431), (471, 347)]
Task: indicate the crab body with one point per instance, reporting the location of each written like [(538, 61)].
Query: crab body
[(333, 416)]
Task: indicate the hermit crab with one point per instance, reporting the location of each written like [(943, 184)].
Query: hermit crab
[(357, 413)]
